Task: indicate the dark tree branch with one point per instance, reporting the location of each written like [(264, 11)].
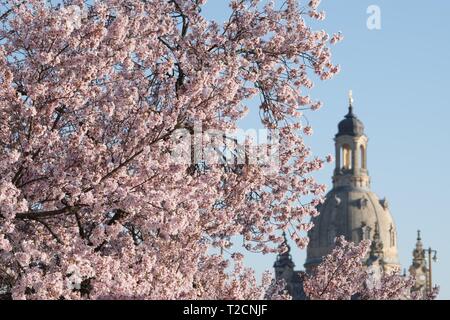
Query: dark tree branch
[(43, 214)]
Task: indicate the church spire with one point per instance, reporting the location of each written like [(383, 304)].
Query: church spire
[(351, 151), (419, 268), (418, 253), (351, 125)]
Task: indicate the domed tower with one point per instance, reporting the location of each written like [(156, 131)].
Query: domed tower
[(351, 209)]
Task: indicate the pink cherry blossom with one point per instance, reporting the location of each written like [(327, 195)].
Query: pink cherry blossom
[(94, 95), (344, 275), (308, 130), (337, 37)]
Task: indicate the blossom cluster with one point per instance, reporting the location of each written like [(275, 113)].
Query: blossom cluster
[(91, 203), (344, 275)]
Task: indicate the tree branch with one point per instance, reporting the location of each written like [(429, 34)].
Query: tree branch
[(45, 214)]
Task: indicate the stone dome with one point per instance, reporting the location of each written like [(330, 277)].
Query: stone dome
[(351, 209), (355, 213)]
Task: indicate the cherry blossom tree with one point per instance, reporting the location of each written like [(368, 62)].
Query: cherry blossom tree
[(343, 275), (93, 95)]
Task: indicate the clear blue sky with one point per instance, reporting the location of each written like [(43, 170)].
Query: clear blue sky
[(400, 78)]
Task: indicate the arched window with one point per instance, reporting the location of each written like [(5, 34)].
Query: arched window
[(363, 157), (346, 157)]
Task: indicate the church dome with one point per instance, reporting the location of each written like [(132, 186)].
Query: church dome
[(351, 125), (357, 214), (351, 209)]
